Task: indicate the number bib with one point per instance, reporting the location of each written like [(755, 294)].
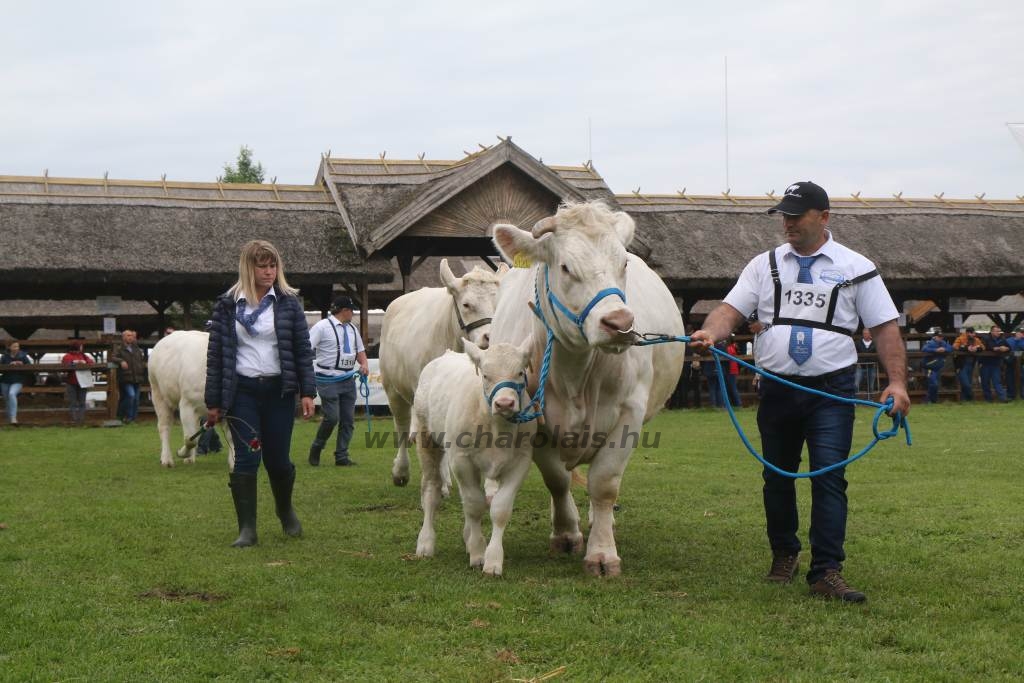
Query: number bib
[(809, 302), (346, 361)]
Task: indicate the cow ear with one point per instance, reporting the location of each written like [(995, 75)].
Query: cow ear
[(473, 351), (448, 277), (625, 227), (512, 242), (502, 269), (526, 349)]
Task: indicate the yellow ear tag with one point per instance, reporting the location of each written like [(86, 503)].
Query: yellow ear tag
[(521, 260)]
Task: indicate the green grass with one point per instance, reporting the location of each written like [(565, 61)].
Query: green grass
[(113, 569)]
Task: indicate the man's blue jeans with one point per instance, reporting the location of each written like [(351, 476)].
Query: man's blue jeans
[(934, 375), (10, 394), (128, 406), (338, 402), (787, 418), (991, 377), (260, 411), (965, 375)]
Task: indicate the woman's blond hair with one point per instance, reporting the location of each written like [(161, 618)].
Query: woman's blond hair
[(255, 253)]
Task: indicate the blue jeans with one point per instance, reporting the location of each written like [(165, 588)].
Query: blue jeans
[(128, 406), (10, 393), (732, 390), (787, 418), (991, 375), (965, 375), (933, 384), (338, 401), (261, 411)]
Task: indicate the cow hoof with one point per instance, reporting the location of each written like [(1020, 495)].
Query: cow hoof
[(492, 571), (398, 480), (478, 563), (166, 464), (567, 544), (597, 566), (191, 460)]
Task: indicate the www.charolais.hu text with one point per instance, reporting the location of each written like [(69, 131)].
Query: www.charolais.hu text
[(482, 438)]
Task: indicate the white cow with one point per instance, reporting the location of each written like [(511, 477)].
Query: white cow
[(600, 388), (462, 410), (420, 326), (177, 376)]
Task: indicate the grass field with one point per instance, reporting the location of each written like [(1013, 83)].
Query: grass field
[(113, 569)]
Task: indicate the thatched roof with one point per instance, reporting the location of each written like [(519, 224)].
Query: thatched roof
[(383, 200), (923, 248), (162, 240)]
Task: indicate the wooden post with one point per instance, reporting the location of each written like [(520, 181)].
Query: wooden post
[(186, 314), (364, 312)]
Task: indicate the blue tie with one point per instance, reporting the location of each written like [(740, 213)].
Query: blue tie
[(345, 348), (800, 336)]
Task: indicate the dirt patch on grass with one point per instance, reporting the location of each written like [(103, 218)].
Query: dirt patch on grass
[(172, 595)]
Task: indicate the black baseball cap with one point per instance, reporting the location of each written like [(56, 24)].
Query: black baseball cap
[(343, 302), (800, 197)]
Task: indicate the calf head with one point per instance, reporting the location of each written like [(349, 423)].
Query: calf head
[(474, 296), (582, 248), (502, 370)]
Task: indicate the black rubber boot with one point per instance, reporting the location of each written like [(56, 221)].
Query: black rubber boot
[(314, 453), (282, 488), (243, 492)]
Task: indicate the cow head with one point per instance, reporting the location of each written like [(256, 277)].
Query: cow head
[(583, 249), (473, 296), (502, 369)]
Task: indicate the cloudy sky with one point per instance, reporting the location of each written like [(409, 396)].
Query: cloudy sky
[(876, 97)]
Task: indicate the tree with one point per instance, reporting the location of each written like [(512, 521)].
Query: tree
[(243, 171)]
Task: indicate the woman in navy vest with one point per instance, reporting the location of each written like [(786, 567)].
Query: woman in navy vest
[(258, 360)]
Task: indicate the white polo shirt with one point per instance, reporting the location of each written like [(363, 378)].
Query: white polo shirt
[(257, 353), (328, 349), (868, 300)]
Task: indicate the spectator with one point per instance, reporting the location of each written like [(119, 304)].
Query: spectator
[(732, 390), (131, 375), (997, 346), (1017, 346), (936, 350), (168, 330), (709, 368), (866, 365), (967, 344), (12, 381), (74, 391)]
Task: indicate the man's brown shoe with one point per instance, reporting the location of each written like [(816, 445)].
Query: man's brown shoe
[(833, 585), (783, 568)]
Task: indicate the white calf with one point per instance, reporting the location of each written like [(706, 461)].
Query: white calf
[(177, 376), (463, 405)]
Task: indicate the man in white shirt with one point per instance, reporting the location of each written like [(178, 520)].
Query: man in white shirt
[(337, 349), (810, 293)]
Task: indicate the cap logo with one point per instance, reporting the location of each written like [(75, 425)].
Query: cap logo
[(791, 191)]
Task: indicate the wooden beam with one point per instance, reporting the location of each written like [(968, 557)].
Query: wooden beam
[(364, 311)]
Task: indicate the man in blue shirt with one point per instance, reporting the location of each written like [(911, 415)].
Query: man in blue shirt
[(935, 349)]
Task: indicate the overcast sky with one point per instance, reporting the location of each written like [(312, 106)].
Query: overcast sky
[(877, 97)]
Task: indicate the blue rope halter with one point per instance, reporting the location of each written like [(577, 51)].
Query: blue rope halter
[(898, 421), (519, 387), (577, 319)]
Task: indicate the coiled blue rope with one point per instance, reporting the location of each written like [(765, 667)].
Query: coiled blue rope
[(898, 421)]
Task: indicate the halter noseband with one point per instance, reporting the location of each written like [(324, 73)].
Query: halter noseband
[(577, 319)]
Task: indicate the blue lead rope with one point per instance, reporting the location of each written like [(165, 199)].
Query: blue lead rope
[(364, 391), (898, 421)]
